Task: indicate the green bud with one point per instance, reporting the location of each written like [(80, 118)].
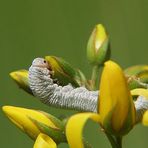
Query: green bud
[(64, 72), (98, 50)]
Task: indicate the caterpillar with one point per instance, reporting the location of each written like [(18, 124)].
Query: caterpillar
[(68, 97)]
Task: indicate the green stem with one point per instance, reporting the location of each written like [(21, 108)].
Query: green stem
[(119, 141), (112, 141), (94, 77), (116, 142)]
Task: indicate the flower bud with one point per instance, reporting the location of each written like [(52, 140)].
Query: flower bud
[(98, 50), (64, 72), (21, 79), (116, 107), (34, 122)]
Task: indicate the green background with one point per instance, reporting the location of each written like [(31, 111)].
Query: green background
[(35, 28)]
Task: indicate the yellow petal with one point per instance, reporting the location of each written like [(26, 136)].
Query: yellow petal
[(140, 92), (21, 117), (115, 104), (75, 127), (44, 141)]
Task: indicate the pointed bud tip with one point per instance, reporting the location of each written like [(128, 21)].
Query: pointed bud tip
[(11, 111), (111, 64), (6, 109), (13, 75), (19, 74), (20, 77)]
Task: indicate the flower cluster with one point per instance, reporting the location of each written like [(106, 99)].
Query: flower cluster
[(120, 103)]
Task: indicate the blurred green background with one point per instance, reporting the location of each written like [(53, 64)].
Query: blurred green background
[(35, 28)]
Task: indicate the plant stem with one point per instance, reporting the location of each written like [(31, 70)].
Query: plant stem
[(119, 141), (111, 140), (116, 142), (94, 77)]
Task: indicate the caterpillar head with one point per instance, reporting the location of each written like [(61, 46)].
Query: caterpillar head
[(42, 63)]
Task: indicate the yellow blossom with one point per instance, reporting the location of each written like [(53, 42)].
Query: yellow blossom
[(116, 107)]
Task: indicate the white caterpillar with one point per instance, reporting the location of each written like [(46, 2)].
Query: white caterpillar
[(43, 87)]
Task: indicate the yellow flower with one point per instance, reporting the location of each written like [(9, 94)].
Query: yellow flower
[(97, 48), (116, 111), (116, 107), (30, 121), (44, 141)]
